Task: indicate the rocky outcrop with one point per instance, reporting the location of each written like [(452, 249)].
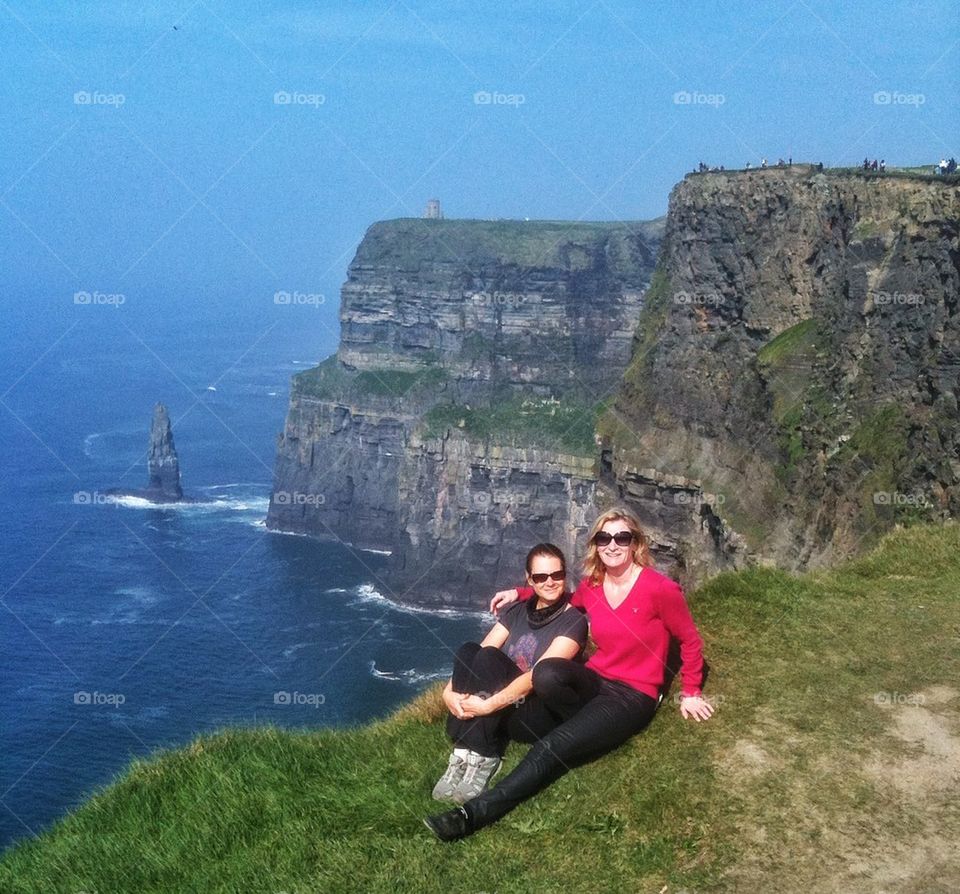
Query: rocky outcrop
[(163, 485), (799, 358), (455, 425)]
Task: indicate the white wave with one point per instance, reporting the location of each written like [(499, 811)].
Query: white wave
[(290, 651), (272, 393), (235, 484), (367, 593), (378, 552), (336, 590), (411, 675), (211, 387), (249, 504)]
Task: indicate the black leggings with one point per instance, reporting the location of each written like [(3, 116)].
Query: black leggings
[(599, 715), (484, 670)]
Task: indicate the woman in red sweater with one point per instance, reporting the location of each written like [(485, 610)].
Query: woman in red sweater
[(633, 612)]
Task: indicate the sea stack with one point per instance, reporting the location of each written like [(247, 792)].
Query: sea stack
[(162, 463)]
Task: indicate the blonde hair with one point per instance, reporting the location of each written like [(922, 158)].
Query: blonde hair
[(593, 565)]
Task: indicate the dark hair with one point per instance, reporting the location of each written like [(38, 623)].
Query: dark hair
[(546, 549)]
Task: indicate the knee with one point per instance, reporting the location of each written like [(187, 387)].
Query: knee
[(550, 674), (487, 657)]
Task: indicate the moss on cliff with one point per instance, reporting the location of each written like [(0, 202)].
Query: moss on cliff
[(330, 380), (406, 242), (543, 424)]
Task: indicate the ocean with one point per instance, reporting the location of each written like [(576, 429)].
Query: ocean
[(129, 627)]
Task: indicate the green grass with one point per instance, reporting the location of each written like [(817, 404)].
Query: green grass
[(797, 664), (566, 425), (330, 380), (404, 242)]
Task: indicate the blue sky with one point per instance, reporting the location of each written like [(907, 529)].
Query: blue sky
[(183, 185)]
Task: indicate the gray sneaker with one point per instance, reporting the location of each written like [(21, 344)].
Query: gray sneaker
[(447, 784), (480, 770)]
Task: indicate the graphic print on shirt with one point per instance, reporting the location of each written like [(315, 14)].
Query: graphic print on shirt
[(523, 652)]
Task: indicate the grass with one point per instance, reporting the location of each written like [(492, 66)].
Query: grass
[(779, 791), (550, 424), (331, 381)]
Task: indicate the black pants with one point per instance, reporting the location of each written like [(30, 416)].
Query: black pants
[(599, 714), (483, 671)]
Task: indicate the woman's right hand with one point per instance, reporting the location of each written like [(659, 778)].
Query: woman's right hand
[(502, 599), (453, 701)]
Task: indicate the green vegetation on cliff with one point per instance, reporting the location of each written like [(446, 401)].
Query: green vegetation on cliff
[(562, 244), (542, 424), (836, 696), (330, 380)]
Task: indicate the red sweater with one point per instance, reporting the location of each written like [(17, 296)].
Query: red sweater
[(632, 639)]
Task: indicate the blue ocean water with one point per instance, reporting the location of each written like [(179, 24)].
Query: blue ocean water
[(127, 627)]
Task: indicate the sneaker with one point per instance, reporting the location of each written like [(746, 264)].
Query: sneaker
[(449, 826), (447, 784), (480, 770)]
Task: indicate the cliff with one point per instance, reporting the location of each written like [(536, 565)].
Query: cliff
[(455, 424), (799, 361), (780, 389)]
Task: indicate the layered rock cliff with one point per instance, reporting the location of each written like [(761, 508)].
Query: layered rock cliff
[(799, 359), (783, 388), (455, 424)]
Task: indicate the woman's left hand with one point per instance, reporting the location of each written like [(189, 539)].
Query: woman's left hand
[(474, 706), (695, 706)]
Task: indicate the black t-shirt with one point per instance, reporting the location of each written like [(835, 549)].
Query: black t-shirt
[(525, 645)]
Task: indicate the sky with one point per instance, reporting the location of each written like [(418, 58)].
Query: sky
[(199, 156)]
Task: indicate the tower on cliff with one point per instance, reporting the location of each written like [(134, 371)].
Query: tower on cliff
[(433, 211)]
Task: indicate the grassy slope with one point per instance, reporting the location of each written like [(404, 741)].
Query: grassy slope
[(797, 783)]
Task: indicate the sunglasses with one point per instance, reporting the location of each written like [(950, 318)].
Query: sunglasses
[(621, 538), (553, 575)]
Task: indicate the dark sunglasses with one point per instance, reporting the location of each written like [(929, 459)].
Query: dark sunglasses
[(553, 575), (621, 538)]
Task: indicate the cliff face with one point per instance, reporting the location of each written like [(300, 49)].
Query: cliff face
[(799, 359), (455, 425), (782, 388)]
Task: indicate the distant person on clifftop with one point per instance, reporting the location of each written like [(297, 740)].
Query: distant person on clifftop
[(633, 611), (490, 696)]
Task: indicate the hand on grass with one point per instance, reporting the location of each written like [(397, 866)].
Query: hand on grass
[(695, 706)]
